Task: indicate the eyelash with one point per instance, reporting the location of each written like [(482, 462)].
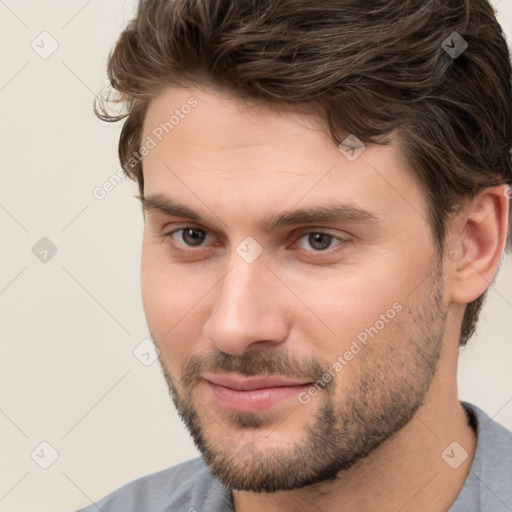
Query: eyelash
[(317, 253)]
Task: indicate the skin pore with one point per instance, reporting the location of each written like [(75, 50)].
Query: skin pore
[(294, 300)]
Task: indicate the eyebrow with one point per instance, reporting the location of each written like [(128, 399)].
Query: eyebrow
[(331, 211)]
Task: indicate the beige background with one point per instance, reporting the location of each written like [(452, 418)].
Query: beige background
[(69, 326)]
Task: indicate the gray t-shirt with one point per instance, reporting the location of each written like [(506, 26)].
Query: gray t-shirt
[(190, 487)]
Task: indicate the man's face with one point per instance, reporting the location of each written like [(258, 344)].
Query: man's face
[(303, 344)]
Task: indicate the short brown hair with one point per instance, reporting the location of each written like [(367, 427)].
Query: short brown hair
[(371, 67)]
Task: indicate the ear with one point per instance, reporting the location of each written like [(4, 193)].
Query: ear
[(476, 243)]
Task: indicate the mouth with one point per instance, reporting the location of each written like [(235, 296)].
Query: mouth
[(253, 394)]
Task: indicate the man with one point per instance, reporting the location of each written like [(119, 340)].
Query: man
[(325, 187)]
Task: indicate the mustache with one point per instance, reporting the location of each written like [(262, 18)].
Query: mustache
[(249, 364)]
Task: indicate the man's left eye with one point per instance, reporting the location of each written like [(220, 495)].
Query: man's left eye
[(320, 241)]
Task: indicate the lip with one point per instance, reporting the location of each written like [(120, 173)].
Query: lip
[(253, 394)]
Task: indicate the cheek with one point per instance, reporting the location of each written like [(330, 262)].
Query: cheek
[(343, 306), (153, 288), (172, 298), (163, 293)]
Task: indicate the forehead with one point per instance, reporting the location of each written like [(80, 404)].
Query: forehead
[(229, 150), (187, 122), (219, 122)]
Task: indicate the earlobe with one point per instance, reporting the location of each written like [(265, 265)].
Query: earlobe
[(475, 247)]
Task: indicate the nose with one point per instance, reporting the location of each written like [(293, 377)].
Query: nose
[(248, 309)]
